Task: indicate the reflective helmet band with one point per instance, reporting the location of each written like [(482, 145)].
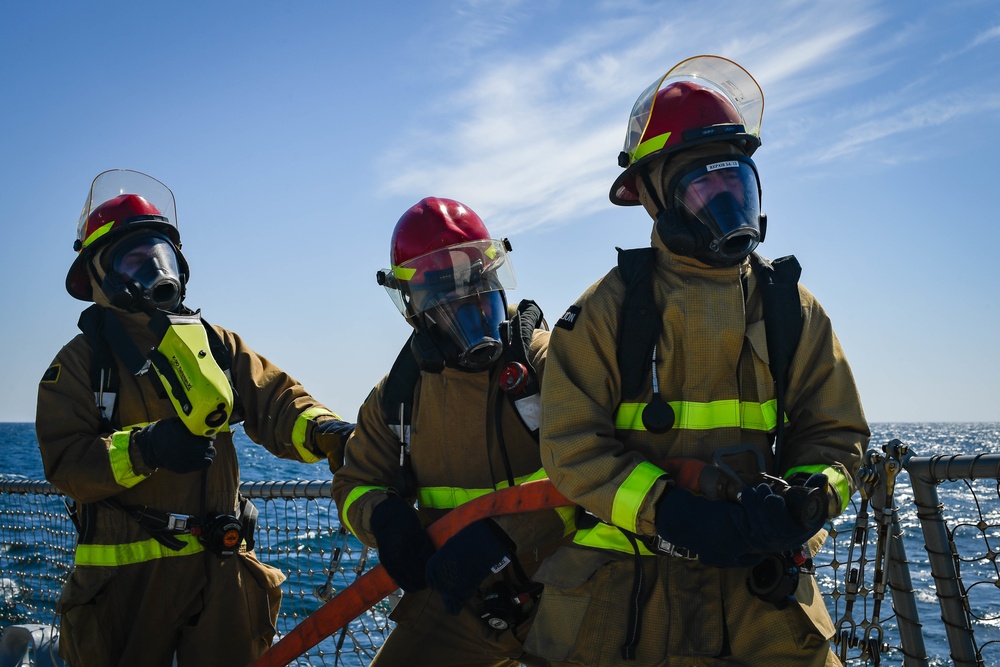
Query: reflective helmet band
[(403, 273), (99, 232), (650, 146)]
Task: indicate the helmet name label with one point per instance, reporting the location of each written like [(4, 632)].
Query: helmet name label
[(729, 164)]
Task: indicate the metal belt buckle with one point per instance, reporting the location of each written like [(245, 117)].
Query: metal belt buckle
[(672, 549), (179, 523)]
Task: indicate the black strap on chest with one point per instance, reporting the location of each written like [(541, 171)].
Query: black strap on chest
[(641, 322), (109, 340), (779, 292)]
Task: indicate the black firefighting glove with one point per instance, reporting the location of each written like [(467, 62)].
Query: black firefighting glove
[(463, 562), (330, 437), (169, 444), (718, 531), (403, 545), (812, 499), (773, 527)]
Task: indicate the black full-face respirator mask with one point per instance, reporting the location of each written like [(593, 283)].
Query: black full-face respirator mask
[(460, 318), (713, 210), (143, 274), (467, 330)]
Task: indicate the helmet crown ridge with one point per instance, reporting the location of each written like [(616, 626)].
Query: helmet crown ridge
[(432, 224), (115, 213), (700, 100)]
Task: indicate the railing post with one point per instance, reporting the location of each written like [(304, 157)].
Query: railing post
[(925, 474), (904, 603)]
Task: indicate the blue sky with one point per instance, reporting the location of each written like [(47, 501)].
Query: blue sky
[(295, 134)]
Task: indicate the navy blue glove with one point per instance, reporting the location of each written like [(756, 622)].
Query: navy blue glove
[(403, 545), (330, 437), (717, 530), (460, 565), (169, 444), (811, 499), (335, 428), (773, 529)]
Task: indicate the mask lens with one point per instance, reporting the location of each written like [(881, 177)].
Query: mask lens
[(723, 195), (473, 324), (151, 262)]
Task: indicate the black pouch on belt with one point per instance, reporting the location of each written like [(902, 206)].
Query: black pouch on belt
[(248, 520)]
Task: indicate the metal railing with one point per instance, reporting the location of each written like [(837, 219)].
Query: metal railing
[(951, 504)]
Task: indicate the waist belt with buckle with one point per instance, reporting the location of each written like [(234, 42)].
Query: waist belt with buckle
[(163, 526), (658, 545)]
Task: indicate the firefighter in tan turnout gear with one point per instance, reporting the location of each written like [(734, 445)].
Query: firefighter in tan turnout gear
[(133, 422), (673, 362), (455, 418)]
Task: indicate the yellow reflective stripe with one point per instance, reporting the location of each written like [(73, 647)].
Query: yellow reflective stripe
[(299, 432), (450, 497), (568, 515), (703, 416), (631, 494), (403, 273), (98, 233), (121, 463), (650, 145), (836, 478), (604, 536), (351, 497), (538, 474), (112, 555)]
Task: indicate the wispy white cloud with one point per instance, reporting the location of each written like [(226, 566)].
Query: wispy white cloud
[(917, 119), (531, 131), (977, 41)]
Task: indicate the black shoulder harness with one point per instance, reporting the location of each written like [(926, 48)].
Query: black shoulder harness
[(641, 322)]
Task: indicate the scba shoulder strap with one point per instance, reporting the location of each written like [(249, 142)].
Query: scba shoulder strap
[(641, 322), (518, 380)]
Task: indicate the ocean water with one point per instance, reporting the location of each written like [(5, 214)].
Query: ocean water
[(20, 457), (978, 502)]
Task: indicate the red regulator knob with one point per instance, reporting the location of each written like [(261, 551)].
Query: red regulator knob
[(514, 378)]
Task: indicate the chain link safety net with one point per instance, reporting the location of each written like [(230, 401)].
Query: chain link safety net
[(909, 572)]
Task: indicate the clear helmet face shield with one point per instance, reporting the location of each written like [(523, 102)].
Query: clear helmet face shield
[(723, 194), (116, 182), (719, 74), (143, 272), (456, 292)]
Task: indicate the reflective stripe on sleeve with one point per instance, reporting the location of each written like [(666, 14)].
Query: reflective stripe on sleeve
[(632, 493), (356, 493), (121, 463), (113, 555), (299, 432)]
